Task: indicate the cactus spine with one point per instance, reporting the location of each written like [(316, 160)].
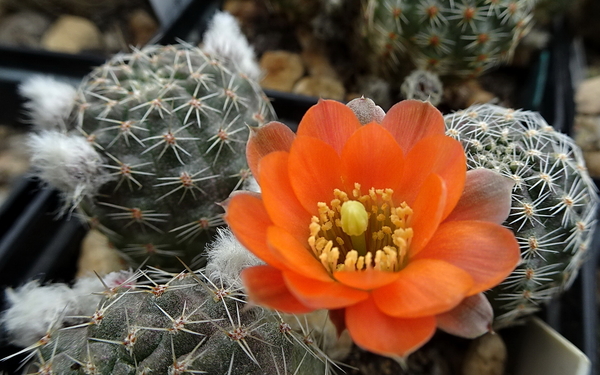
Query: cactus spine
[(170, 125), (177, 324), (445, 36), (553, 206)]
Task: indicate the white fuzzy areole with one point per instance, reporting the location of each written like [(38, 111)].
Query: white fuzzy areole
[(36, 309), (227, 257), (68, 163), (49, 101), (225, 39)]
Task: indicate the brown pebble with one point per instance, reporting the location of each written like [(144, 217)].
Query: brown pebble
[(282, 70), (97, 255), (592, 163), (321, 87), (142, 26), (587, 97), (486, 356), (72, 34)]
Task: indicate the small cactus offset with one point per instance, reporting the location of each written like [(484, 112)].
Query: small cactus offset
[(554, 201), (177, 324), (461, 38), (168, 126), (423, 85)]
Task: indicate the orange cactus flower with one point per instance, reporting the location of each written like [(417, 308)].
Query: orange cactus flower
[(379, 223)]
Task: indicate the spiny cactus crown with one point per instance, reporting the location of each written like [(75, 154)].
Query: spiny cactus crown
[(177, 324), (446, 36), (553, 211), (171, 124)]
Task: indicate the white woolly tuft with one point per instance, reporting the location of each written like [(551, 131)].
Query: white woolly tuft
[(227, 258), (67, 162), (115, 279), (224, 38), (35, 310), (49, 101)]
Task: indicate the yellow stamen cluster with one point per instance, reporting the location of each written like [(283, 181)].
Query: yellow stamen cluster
[(384, 243)]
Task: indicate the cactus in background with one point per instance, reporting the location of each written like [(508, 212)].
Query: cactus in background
[(176, 324), (454, 37), (554, 200), (166, 128), (423, 85)]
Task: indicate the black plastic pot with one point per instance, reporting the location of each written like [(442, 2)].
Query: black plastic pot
[(575, 313), (35, 244)]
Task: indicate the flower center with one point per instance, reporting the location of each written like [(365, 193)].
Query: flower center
[(365, 231)]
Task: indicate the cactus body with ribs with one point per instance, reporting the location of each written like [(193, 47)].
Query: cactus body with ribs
[(177, 324), (169, 125), (445, 36), (553, 204)]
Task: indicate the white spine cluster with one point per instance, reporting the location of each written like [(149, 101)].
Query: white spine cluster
[(224, 38), (227, 257), (49, 101), (37, 310), (68, 163), (553, 213)]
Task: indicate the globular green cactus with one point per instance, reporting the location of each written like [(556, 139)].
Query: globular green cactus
[(177, 324), (554, 201), (170, 124), (448, 37)]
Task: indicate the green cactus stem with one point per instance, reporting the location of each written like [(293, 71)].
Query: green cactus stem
[(177, 324), (554, 201), (169, 125), (448, 37)]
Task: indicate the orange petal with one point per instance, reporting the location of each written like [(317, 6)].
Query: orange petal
[(487, 197), (425, 287), (365, 280), (314, 170), (435, 154), (471, 318), (295, 256), (265, 286), (382, 334), (372, 158), (265, 139), (330, 121), (279, 198), (322, 295), (487, 251), (411, 120), (428, 209), (249, 221)]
